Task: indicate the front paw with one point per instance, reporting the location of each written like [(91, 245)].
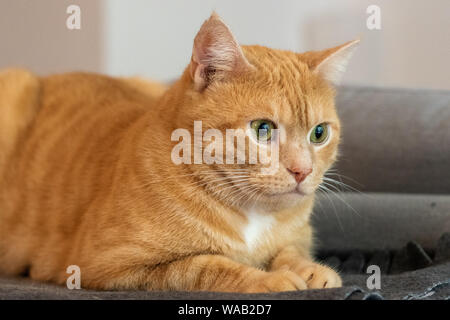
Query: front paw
[(276, 281), (318, 276)]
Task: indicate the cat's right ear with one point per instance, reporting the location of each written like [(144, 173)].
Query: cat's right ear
[(330, 63), (216, 55)]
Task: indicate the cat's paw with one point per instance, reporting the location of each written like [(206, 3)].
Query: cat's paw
[(319, 276), (277, 281)]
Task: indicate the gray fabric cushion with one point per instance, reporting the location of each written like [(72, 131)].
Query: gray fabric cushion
[(20, 288), (428, 283), (395, 140), (370, 221)]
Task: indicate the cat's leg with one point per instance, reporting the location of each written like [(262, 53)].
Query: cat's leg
[(314, 274), (198, 273)]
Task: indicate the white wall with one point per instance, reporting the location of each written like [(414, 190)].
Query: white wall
[(154, 38)]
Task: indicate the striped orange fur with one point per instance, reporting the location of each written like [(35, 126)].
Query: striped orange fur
[(87, 178)]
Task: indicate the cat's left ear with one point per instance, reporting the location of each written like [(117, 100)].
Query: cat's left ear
[(331, 63), (216, 55)]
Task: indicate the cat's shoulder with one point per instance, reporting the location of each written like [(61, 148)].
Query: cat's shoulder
[(99, 85), (148, 87)]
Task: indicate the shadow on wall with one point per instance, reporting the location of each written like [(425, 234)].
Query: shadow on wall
[(34, 35)]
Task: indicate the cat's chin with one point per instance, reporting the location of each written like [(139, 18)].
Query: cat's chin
[(293, 193), (282, 200), (296, 193)]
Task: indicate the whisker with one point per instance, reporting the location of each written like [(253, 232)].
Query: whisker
[(340, 198), (325, 189), (341, 184)]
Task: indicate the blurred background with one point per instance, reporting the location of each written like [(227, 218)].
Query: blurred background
[(153, 38)]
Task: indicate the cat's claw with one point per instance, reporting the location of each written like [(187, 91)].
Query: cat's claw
[(318, 276)]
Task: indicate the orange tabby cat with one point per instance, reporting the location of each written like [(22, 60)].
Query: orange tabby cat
[(88, 178)]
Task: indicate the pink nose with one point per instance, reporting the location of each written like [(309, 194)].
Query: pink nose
[(299, 174)]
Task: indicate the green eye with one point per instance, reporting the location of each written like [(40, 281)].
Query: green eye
[(263, 129), (319, 134)]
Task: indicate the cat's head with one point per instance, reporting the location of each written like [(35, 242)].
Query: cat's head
[(275, 97)]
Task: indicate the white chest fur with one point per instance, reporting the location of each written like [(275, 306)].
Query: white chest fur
[(257, 227)]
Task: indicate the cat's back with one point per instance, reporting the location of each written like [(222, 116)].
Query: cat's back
[(37, 113), (63, 124), (66, 105), (60, 137), (19, 104)]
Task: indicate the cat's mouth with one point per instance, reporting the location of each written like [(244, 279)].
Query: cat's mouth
[(299, 191)]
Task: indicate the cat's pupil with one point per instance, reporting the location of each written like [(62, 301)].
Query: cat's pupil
[(264, 126), (319, 132)]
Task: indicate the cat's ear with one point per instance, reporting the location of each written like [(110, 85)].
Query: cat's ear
[(216, 55), (331, 63)]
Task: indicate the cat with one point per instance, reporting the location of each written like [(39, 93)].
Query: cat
[(88, 178)]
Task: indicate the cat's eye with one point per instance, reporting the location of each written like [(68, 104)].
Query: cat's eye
[(319, 134), (263, 129)]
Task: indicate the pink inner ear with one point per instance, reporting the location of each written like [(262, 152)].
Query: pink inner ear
[(216, 53), (203, 41), (198, 75)]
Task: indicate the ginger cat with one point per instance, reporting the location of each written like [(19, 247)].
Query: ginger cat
[(87, 177)]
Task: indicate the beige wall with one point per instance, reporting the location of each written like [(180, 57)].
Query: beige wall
[(412, 49), (33, 34), (154, 37)]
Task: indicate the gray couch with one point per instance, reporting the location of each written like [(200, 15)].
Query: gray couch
[(396, 153), (396, 150)]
